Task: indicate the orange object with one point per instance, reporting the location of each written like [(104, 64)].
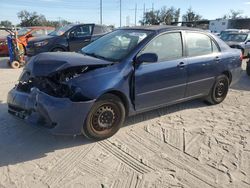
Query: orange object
[(24, 35)]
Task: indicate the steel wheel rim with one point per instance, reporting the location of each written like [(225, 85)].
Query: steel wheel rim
[(221, 89), (105, 118)]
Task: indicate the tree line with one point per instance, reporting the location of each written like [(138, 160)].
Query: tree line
[(172, 15), (164, 15), (28, 19)]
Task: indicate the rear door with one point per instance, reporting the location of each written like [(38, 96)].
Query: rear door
[(80, 36), (165, 81), (203, 57)]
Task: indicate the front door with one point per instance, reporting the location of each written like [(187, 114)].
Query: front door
[(164, 81), (79, 37)]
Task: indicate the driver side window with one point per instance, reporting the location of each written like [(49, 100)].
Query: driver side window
[(167, 47)]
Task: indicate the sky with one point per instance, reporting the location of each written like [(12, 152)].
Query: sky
[(88, 11)]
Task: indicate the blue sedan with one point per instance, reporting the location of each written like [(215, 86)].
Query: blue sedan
[(125, 72)]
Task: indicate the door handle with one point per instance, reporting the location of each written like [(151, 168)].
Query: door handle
[(217, 59), (181, 65)]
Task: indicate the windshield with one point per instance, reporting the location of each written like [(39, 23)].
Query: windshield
[(61, 30), (235, 37), (23, 31), (116, 45)]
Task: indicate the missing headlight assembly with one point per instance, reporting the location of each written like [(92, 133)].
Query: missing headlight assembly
[(56, 84)]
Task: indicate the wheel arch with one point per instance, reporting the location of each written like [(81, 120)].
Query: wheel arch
[(121, 96), (61, 47), (229, 75)]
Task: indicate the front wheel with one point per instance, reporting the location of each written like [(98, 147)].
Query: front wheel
[(105, 118), (248, 68), (219, 91), (58, 50)]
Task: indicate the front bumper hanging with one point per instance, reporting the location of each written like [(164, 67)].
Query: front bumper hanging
[(58, 115)]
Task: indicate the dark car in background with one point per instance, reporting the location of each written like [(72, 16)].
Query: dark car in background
[(24, 35), (71, 37), (123, 73)]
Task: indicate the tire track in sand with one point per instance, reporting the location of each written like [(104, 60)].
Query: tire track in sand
[(124, 157), (63, 167)]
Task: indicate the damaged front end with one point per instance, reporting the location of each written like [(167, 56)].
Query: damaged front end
[(50, 101), (55, 84)]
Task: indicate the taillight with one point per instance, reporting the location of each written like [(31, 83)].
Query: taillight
[(241, 56)]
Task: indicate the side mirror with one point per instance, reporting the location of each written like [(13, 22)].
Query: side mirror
[(147, 58)]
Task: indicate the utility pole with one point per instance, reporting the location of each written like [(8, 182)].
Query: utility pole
[(153, 7), (135, 13), (144, 9), (144, 12), (101, 12), (120, 13)]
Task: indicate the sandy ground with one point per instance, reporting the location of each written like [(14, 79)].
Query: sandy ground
[(186, 145)]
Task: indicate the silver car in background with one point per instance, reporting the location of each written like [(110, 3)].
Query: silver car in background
[(238, 40)]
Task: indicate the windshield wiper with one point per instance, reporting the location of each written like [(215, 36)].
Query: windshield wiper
[(98, 56)]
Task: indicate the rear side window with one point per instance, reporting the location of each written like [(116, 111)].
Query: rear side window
[(167, 46), (199, 44), (97, 30), (105, 29), (81, 31)]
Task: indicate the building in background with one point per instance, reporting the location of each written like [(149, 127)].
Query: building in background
[(216, 26)]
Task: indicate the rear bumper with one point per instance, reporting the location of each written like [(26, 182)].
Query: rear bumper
[(59, 115), (236, 74)]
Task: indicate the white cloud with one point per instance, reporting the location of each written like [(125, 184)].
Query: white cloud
[(247, 3)]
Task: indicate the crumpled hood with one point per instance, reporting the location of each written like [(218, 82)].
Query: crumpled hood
[(45, 64)]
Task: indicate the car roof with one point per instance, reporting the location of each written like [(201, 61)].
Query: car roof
[(88, 24), (160, 28)]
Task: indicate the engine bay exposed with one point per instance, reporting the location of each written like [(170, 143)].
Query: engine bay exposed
[(55, 84)]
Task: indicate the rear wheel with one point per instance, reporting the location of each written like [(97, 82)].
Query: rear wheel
[(248, 68), (219, 90), (105, 118)]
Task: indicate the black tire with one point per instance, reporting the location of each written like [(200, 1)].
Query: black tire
[(105, 118), (219, 90), (57, 50), (8, 63), (248, 68)]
